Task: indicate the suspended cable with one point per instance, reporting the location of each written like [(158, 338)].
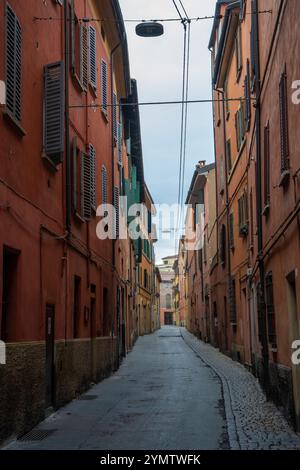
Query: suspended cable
[(178, 11)]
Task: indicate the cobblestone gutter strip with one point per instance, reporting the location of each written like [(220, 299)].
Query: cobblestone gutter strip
[(253, 423)]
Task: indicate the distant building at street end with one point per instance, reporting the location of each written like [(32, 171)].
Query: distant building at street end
[(167, 298)]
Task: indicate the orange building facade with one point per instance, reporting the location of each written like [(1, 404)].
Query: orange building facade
[(68, 310)]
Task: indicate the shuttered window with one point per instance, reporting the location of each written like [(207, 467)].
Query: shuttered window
[(104, 184), (114, 114), (86, 186), (93, 176), (232, 298), (75, 176), (267, 165), (104, 86), (270, 309), (228, 155), (93, 56), (54, 110), (84, 57), (247, 90), (243, 215), (231, 231), (253, 45), (223, 245), (238, 51), (117, 212), (222, 178), (13, 64), (284, 137), (239, 127), (120, 137), (79, 50)]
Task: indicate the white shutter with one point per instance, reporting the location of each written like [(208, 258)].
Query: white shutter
[(103, 85), (93, 57)]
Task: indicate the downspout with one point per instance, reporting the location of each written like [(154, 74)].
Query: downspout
[(67, 119), (262, 300), (227, 207)]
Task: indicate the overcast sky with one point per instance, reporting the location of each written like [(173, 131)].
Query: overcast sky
[(156, 64)]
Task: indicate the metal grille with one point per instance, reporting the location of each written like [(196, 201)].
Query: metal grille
[(37, 435)]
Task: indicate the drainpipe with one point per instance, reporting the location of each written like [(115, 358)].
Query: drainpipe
[(67, 118), (262, 300), (227, 208)]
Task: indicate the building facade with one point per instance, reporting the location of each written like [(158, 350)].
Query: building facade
[(68, 293), (167, 298), (255, 281)]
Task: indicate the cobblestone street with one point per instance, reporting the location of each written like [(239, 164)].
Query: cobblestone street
[(171, 392), (253, 423)]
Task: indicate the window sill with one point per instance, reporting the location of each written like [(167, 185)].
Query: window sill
[(14, 123), (78, 218), (285, 176), (50, 165), (266, 210)]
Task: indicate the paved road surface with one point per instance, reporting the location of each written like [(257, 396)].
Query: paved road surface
[(162, 397)]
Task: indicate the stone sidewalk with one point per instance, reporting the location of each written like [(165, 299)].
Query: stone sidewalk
[(253, 423)]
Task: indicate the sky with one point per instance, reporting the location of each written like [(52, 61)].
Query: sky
[(156, 64)]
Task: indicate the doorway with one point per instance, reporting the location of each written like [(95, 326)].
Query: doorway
[(168, 318), (50, 337), (294, 335)]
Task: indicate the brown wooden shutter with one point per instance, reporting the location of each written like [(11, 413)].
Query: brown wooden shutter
[(13, 63), (54, 111), (104, 88), (85, 186)]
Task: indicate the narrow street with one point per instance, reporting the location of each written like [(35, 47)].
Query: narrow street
[(162, 397)]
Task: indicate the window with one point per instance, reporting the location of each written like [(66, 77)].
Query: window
[(270, 309), (228, 156), (104, 184), (104, 86), (238, 52), (13, 64), (251, 219), (267, 166), (93, 176), (83, 187), (232, 293), (117, 212), (145, 279), (284, 133), (168, 301), (79, 50), (120, 137), (54, 112), (223, 245), (226, 97), (231, 231), (93, 57), (239, 127), (247, 91), (76, 306), (222, 179), (114, 115), (243, 215), (253, 45)]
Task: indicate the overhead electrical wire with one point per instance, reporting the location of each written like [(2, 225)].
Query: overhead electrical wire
[(160, 20)]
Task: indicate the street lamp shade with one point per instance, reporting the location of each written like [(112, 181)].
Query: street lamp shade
[(149, 29)]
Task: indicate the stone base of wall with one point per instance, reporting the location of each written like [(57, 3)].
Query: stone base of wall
[(281, 385), (22, 388), (78, 364)]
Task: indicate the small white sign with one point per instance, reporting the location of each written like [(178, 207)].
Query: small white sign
[(2, 353), (2, 93)]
